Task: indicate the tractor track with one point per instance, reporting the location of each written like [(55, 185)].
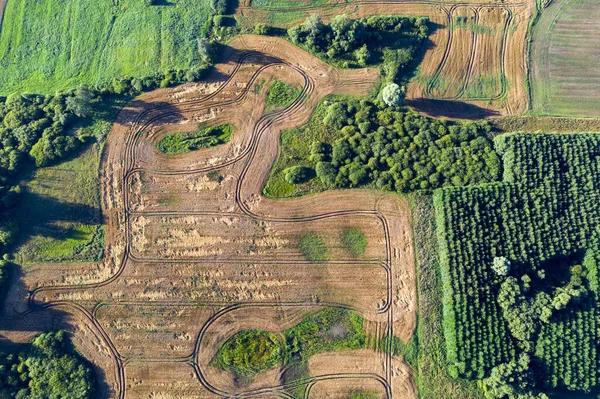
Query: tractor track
[(136, 130), (436, 76)]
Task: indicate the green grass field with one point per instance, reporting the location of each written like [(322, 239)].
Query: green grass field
[(60, 211), (564, 59), (46, 45)]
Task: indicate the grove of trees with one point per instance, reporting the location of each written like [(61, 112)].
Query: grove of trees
[(399, 151), (47, 369), (393, 41)]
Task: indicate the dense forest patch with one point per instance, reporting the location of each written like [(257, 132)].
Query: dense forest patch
[(352, 143), (524, 254), (47, 369)]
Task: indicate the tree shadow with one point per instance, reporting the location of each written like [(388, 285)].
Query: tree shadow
[(451, 109)]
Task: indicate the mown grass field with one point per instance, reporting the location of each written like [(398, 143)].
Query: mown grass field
[(46, 45), (565, 61)]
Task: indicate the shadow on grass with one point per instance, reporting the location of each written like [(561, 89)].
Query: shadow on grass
[(449, 109)]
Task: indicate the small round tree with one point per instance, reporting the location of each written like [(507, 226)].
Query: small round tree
[(298, 174), (393, 94), (501, 266)]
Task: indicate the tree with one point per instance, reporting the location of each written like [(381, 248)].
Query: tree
[(326, 172), (363, 56), (501, 266), (298, 174), (80, 102), (393, 94), (336, 116), (204, 49)]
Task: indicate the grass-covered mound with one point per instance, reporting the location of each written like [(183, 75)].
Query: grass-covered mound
[(48, 45), (250, 352), (47, 369), (281, 94), (519, 264), (177, 143)]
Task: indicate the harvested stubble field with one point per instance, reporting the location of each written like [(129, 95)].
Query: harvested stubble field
[(565, 62), (196, 254), (475, 66)]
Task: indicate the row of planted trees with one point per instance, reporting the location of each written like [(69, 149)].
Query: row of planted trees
[(519, 306)]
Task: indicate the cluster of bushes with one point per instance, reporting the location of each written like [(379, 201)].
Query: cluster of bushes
[(393, 41), (250, 352), (47, 369), (396, 151), (517, 297)]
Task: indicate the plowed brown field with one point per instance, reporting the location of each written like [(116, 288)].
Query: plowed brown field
[(191, 260)]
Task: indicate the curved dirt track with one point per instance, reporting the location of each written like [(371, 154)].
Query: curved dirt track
[(194, 258)]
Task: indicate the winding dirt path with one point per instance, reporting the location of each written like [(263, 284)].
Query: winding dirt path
[(196, 253)]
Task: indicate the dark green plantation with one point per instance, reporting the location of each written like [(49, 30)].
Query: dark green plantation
[(519, 262)]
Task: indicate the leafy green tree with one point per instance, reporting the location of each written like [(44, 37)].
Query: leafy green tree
[(298, 174), (393, 94), (80, 102)]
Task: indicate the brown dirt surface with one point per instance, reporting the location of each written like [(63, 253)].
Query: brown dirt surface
[(466, 73), (194, 253)]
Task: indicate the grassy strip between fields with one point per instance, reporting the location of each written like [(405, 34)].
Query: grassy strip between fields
[(178, 143), (432, 378)]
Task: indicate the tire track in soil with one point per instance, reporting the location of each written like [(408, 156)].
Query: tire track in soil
[(262, 125)]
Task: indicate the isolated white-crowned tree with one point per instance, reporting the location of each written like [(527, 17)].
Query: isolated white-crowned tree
[(393, 94), (501, 266)]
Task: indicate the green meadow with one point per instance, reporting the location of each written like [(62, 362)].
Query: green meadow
[(46, 45)]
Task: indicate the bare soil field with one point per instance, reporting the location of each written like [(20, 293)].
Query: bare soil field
[(476, 63), (565, 62), (195, 254)]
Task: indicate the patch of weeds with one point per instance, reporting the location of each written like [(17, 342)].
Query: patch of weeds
[(178, 143), (328, 330), (354, 241), (313, 247), (214, 175), (249, 352), (258, 86), (361, 394), (281, 94)]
